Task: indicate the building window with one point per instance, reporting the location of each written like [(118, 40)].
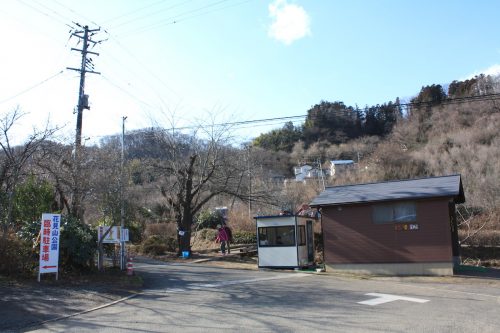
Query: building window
[(277, 236), (399, 212)]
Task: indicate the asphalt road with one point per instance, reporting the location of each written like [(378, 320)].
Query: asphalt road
[(203, 298)]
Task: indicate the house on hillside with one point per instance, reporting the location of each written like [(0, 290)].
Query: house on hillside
[(304, 172), (339, 166), (396, 227)]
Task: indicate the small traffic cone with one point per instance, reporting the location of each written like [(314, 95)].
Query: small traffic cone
[(130, 267)]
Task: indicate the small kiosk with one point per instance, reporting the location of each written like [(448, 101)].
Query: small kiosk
[(285, 241)]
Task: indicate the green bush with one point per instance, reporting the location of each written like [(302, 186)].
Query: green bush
[(209, 220), (157, 245), (135, 232), (207, 234), (244, 237), (78, 244)]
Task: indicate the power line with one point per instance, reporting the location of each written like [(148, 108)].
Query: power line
[(209, 11), (183, 16), (32, 87), (126, 92), (150, 72), (48, 15), (133, 12), (338, 112), (74, 12), (148, 16)]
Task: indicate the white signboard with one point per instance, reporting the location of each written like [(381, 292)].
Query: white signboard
[(125, 235), (49, 243), (113, 236)]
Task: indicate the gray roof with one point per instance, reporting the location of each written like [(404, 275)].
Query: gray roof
[(342, 161), (446, 186)]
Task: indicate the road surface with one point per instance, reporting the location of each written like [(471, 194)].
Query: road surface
[(196, 297)]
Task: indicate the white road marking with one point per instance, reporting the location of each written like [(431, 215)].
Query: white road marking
[(175, 290), (234, 282), (386, 298)]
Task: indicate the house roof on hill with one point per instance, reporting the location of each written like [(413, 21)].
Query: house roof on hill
[(342, 162), (445, 186)]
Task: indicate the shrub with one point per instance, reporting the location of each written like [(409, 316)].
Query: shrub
[(207, 234), (157, 245), (209, 220), (18, 256), (78, 244), (163, 230), (244, 237)]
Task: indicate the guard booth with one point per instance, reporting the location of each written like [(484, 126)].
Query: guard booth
[(285, 241)]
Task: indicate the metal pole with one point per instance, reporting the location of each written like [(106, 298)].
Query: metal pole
[(122, 208)]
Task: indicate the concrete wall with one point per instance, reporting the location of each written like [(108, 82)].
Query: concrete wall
[(434, 268)]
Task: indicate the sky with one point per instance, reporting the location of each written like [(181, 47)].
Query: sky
[(179, 63)]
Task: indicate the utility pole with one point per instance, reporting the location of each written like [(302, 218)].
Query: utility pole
[(122, 208), (86, 66), (321, 173)]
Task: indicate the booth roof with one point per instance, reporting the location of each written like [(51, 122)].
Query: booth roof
[(272, 216)]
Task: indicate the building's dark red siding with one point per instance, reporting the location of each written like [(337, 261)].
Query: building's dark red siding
[(351, 236)]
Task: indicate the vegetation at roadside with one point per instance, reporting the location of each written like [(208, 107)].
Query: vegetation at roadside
[(172, 181)]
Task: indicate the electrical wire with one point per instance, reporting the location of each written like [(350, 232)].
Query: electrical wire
[(126, 92), (208, 12), (75, 13), (54, 18), (148, 16), (132, 12), (181, 17), (286, 119), (32, 87)]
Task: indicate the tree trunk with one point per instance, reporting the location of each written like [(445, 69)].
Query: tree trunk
[(185, 239)]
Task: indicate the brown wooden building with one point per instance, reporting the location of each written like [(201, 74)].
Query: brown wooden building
[(396, 228)]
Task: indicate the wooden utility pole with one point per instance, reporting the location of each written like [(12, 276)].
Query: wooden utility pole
[(86, 66)]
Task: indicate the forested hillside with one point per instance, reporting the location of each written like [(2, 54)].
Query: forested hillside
[(436, 133)]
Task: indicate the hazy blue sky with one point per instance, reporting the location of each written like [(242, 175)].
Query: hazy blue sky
[(238, 59)]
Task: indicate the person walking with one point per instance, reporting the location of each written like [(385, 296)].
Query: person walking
[(222, 238), (229, 237)]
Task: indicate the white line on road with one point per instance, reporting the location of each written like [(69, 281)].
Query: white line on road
[(386, 298), (234, 282)]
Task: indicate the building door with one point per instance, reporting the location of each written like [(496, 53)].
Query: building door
[(310, 241)]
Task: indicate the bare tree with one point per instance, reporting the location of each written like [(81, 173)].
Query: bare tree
[(59, 162), (197, 170)]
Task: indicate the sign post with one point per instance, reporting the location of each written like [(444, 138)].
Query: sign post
[(113, 235), (49, 244)]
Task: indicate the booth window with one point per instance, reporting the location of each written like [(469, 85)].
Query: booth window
[(399, 212), (277, 236)]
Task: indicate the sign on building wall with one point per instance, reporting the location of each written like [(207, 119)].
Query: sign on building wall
[(49, 244), (406, 226)]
